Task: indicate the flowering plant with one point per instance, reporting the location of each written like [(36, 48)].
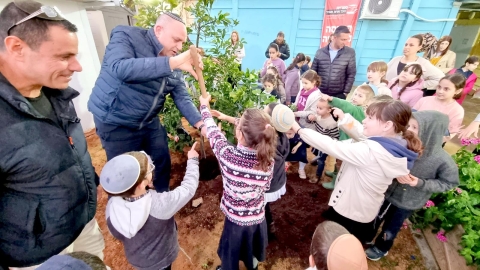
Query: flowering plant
[(461, 205)]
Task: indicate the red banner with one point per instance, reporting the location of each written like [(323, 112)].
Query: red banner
[(339, 12)]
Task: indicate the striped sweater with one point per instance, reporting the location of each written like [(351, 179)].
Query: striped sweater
[(327, 126), (243, 199)]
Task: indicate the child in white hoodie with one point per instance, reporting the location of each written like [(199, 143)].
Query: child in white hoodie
[(141, 218), (369, 166)]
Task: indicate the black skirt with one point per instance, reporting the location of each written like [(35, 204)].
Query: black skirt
[(242, 243)]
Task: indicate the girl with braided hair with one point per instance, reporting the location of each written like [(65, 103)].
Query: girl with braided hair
[(407, 87)]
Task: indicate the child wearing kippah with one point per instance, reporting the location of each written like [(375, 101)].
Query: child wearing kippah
[(141, 218)]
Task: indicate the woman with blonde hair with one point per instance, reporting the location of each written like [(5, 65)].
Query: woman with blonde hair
[(237, 48)]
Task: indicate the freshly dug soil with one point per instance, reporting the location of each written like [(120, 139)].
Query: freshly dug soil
[(296, 216)]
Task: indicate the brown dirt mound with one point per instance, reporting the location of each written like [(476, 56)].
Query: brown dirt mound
[(296, 216)]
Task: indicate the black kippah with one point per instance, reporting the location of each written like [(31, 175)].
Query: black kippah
[(174, 16)]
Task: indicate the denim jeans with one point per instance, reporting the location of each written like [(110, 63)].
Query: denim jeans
[(321, 163), (393, 218), (152, 139)]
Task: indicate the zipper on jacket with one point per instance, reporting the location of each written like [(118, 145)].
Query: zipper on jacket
[(76, 154), (154, 104)]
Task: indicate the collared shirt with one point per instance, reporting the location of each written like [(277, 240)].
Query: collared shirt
[(333, 53), (132, 199)]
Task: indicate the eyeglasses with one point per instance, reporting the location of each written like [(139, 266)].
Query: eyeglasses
[(150, 163), (45, 12)]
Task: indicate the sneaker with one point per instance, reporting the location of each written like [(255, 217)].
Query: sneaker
[(218, 267), (329, 173), (374, 254), (302, 174)]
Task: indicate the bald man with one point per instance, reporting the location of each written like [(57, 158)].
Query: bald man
[(140, 68)]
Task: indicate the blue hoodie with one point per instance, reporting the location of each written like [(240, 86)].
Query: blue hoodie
[(398, 148)]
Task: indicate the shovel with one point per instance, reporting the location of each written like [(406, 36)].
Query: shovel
[(201, 83)]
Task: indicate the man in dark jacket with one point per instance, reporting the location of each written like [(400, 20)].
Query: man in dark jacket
[(140, 68), (48, 190), (282, 45), (335, 63)]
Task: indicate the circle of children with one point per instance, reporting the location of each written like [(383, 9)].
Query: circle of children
[(387, 139)]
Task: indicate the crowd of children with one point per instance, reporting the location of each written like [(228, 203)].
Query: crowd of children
[(387, 139)]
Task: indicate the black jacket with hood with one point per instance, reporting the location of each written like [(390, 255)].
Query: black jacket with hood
[(284, 50), (435, 169), (279, 175), (48, 186), (337, 75)]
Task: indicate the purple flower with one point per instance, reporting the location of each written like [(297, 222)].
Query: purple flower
[(465, 142), (477, 158), (429, 204), (441, 236), (459, 190)]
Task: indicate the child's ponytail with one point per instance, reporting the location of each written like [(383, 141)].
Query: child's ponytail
[(299, 58), (266, 148), (399, 114), (260, 135), (413, 142)]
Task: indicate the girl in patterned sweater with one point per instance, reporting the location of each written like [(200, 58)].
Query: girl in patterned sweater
[(247, 170)]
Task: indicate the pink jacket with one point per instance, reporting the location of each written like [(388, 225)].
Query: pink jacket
[(468, 85), (411, 94)]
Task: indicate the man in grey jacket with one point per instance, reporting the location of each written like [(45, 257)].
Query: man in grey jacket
[(335, 63)]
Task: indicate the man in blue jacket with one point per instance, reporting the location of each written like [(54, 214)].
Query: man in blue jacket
[(140, 68), (48, 186)]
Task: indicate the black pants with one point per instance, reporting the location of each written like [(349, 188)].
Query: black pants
[(152, 139), (392, 218), (363, 231)]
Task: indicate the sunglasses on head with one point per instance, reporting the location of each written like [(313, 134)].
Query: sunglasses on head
[(35, 9)]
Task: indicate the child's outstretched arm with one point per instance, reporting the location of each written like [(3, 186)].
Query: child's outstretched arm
[(357, 154), (166, 204), (447, 178), (345, 106), (223, 117), (217, 139), (351, 126)]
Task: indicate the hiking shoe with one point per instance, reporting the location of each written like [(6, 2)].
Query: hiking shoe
[(302, 174), (329, 173), (375, 254)]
